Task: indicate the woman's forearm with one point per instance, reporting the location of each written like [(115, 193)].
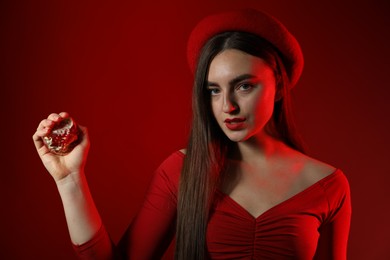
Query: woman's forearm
[(81, 214)]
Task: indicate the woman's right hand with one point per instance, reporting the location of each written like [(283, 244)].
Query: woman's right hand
[(61, 166)]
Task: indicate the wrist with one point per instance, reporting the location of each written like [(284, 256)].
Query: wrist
[(72, 181)]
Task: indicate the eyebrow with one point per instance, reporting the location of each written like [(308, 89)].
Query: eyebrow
[(234, 81)]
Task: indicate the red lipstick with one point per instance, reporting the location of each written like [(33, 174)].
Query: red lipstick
[(236, 123)]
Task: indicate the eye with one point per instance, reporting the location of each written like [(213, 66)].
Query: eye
[(214, 91), (245, 87)]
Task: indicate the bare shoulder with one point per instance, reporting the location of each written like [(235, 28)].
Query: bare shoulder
[(315, 170), (183, 151)]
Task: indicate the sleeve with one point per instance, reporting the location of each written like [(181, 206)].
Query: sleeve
[(151, 231), (334, 231)]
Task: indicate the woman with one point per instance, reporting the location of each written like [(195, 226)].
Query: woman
[(243, 188)]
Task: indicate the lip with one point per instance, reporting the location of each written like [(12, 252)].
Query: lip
[(236, 123)]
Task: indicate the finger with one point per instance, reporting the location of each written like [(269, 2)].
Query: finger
[(45, 123), (37, 138), (41, 132), (64, 114), (54, 117), (42, 149)]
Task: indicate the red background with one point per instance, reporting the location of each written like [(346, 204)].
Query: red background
[(120, 69)]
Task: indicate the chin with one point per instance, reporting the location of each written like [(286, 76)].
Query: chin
[(237, 137)]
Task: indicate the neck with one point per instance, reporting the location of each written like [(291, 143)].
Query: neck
[(260, 147)]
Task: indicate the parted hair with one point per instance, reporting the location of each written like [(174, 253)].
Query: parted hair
[(208, 146)]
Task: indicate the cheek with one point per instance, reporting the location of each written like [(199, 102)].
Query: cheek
[(263, 107), (214, 108)]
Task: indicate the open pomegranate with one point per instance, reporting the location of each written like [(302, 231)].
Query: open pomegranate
[(63, 137)]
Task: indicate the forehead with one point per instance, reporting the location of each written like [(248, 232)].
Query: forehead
[(232, 63)]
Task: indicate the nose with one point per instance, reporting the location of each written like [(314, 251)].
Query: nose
[(229, 105)]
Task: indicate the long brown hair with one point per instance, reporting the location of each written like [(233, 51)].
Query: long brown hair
[(208, 145)]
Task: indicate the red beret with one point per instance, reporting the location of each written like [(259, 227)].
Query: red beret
[(251, 21)]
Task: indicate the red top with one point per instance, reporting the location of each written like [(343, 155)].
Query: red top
[(312, 224)]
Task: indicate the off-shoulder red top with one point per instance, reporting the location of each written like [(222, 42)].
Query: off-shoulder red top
[(313, 224)]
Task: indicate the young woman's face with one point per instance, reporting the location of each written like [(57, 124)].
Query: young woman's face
[(242, 89)]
